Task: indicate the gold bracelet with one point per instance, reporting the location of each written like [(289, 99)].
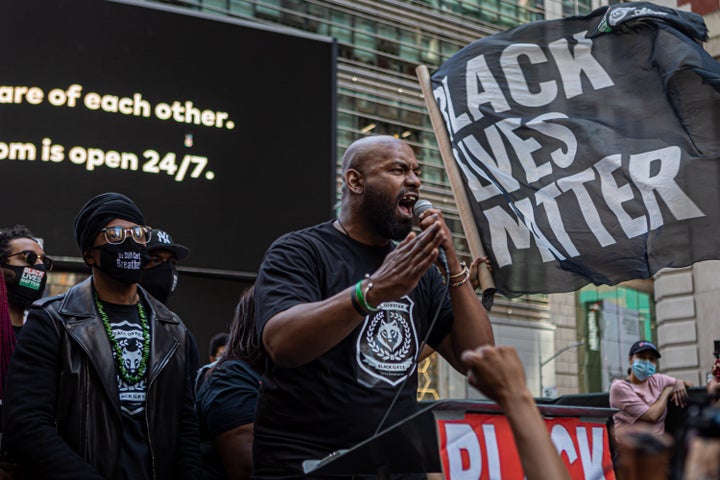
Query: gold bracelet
[(466, 272), (462, 271)]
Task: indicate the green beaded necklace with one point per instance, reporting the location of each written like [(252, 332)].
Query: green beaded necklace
[(117, 352)]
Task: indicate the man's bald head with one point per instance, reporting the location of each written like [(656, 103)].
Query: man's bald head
[(367, 148), (381, 182)]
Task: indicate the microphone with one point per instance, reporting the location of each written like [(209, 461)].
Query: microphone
[(420, 207)]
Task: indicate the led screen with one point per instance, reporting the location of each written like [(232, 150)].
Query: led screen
[(221, 131)]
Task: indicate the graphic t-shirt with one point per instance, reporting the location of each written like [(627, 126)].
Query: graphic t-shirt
[(634, 399), (340, 398), (127, 330), (225, 400)]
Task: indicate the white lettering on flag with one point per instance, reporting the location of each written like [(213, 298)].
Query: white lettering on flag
[(575, 174)]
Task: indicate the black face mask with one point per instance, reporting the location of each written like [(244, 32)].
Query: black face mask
[(123, 262), (160, 281), (27, 286)]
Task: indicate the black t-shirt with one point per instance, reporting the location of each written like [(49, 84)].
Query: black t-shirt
[(126, 327), (225, 400), (340, 398)]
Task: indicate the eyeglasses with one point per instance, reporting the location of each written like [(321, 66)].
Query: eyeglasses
[(117, 235), (31, 258)]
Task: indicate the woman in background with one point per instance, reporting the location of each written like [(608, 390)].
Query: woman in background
[(226, 399), (643, 396)]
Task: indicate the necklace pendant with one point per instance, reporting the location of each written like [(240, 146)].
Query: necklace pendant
[(129, 378)]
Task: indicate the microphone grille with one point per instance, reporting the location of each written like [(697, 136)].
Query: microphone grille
[(420, 207)]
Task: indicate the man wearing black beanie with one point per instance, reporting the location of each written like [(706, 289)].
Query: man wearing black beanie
[(102, 376)]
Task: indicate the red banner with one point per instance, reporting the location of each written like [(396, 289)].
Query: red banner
[(482, 446)]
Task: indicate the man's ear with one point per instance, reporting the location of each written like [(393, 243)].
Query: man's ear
[(89, 259), (354, 181)]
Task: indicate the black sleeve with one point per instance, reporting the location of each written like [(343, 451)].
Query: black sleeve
[(288, 276), (30, 402), (229, 399), (188, 452)]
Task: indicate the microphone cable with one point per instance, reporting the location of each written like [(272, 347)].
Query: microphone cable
[(445, 292)]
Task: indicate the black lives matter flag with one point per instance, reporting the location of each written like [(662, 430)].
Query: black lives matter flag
[(589, 146)]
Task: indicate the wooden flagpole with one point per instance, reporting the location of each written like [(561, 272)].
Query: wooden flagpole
[(487, 284)]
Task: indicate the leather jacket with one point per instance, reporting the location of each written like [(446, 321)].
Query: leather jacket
[(82, 404)]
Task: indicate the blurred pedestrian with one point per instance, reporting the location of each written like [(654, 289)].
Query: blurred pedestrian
[(217, 346)]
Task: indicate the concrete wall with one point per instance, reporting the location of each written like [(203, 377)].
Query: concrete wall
[(712, 20), (563, 314), (687, 305), (553, 9)]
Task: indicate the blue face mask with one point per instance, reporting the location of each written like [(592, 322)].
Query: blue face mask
[(643, 369)]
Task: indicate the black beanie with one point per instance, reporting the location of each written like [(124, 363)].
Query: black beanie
[(100, 211)]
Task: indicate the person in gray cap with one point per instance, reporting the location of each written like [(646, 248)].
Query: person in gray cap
[(100, 382), (642, 397), (160, 277)]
